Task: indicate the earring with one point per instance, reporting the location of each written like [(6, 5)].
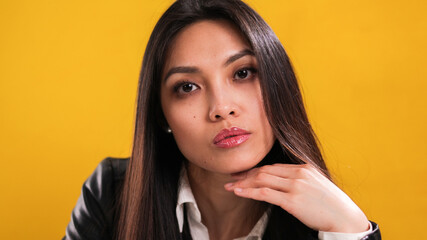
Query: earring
[(169, 130)]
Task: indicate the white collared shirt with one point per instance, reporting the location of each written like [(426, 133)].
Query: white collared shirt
[(200, 232)]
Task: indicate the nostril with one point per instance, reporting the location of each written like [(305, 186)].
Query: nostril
[(218, 116)]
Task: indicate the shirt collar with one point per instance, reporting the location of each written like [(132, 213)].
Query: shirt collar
[(185, 195)]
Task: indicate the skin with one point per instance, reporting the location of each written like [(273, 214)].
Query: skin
[(217, 92)]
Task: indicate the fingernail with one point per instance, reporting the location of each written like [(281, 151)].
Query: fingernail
[(239, 190), (229, 185)]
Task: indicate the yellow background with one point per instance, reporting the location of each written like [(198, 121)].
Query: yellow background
[(68, 77)]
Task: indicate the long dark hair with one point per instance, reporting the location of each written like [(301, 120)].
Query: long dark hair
[(148, 199)]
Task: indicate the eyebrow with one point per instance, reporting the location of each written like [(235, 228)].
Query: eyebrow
[(238, 55), (180, 70), (191, 69)]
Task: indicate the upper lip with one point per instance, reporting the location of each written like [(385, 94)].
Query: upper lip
[(231, 132)]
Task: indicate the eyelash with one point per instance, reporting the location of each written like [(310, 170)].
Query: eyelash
[(252, 71), (178, 86)]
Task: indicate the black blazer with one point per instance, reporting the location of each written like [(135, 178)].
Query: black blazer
[(93, 216)]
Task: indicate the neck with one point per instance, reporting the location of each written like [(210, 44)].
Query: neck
[(226, 215)]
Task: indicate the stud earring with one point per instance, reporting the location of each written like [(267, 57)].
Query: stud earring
[(169, 130)]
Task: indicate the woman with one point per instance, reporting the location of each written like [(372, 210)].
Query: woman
[(223, 148)]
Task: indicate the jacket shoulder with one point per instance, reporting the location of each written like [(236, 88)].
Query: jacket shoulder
[(112, 167), (93, 215), (104, 183)]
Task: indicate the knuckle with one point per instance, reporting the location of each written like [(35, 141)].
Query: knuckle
[(260, 177), (292, 182), (303, 172), (264, 192), (299, 171)]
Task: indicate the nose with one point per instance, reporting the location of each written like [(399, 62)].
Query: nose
[(222, 106)]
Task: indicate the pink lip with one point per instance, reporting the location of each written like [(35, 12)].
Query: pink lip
[(232, 137)]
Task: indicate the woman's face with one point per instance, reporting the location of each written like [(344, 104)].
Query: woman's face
[(211, 99)]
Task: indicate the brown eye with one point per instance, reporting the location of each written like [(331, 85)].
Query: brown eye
[(244, 73), (188, 87), (185, 87)]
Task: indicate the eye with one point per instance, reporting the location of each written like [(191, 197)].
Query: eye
[(185, 87), (244, 73)]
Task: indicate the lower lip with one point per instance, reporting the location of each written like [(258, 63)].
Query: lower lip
[(233, 141)]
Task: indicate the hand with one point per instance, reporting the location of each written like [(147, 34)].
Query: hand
[(305, 193)]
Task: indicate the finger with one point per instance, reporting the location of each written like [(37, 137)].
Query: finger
[(292, 171), (269, 195), (261, 180)]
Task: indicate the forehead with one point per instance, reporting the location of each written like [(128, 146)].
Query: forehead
[(205, 42)]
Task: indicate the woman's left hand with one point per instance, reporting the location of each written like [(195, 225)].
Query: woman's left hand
[(305, 193)]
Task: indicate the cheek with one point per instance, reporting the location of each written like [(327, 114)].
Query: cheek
[(188, 130), (182, 115), (260, 117), (178, 112), (185, 120)]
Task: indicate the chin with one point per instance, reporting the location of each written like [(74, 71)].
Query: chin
[(245, 162), (240, 165)]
